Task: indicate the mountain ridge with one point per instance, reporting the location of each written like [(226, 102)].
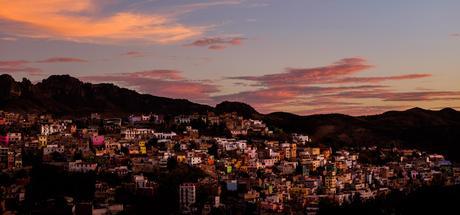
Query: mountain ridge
[(66, 85), (436, 131), (63, 94)]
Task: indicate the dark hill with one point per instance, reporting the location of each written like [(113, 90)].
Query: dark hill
[(62, 94), (242, 109), (436, 131)]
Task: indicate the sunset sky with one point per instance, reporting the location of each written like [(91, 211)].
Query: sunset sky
[(303, 56)]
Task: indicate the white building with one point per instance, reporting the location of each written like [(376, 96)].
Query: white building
[(302, 138), (195, 160), (48, 129), (141, 181), (187, 196), (162, 135), (137, 133), (50, 149), (80, 166), (182, 119)]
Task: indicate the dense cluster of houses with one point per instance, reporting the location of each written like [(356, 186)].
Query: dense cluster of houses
[(273, 175)]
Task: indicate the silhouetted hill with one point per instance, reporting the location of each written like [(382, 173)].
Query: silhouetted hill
[(436, 131), (62, 94), (242, 109)]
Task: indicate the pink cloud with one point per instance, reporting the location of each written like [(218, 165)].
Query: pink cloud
[(19, 66), (62, 60), (380, 79), (287, 94), (167, 83), (8, 38), (307, 76), (314, 102), (13, 63), (217, 47), (156, 74), (422, 96), (133, 54), (217, 43), (354, 110), (318, 87), (337, 72), (389, 95)]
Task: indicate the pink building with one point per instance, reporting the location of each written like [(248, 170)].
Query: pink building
[(98, 140), (4, 140)]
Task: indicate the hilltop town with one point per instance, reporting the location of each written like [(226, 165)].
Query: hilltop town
[(194, 164)]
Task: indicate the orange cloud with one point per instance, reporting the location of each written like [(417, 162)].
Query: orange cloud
[(80, 21)]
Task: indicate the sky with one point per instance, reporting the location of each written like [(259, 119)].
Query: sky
[(355, 57)]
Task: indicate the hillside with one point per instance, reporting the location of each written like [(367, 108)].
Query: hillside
[(437, 131)]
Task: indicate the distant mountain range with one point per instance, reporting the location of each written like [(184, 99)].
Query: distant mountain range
[(437, 131)]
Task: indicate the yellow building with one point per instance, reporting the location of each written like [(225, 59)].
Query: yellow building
[(313, 150), (142, 148), (42, 141), (181, 158), (300, 192), (330, 181), (293, 150)]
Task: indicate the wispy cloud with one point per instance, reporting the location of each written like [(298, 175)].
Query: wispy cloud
[(168, 83), (156, 74), (380, 79), (217, 43), (13, 63), (355, 110), (319, 89), (197, 5), (308, 76), (391, 95), (283, 94), (8, 38), (133, 54), (62, 60), (19, 66)]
